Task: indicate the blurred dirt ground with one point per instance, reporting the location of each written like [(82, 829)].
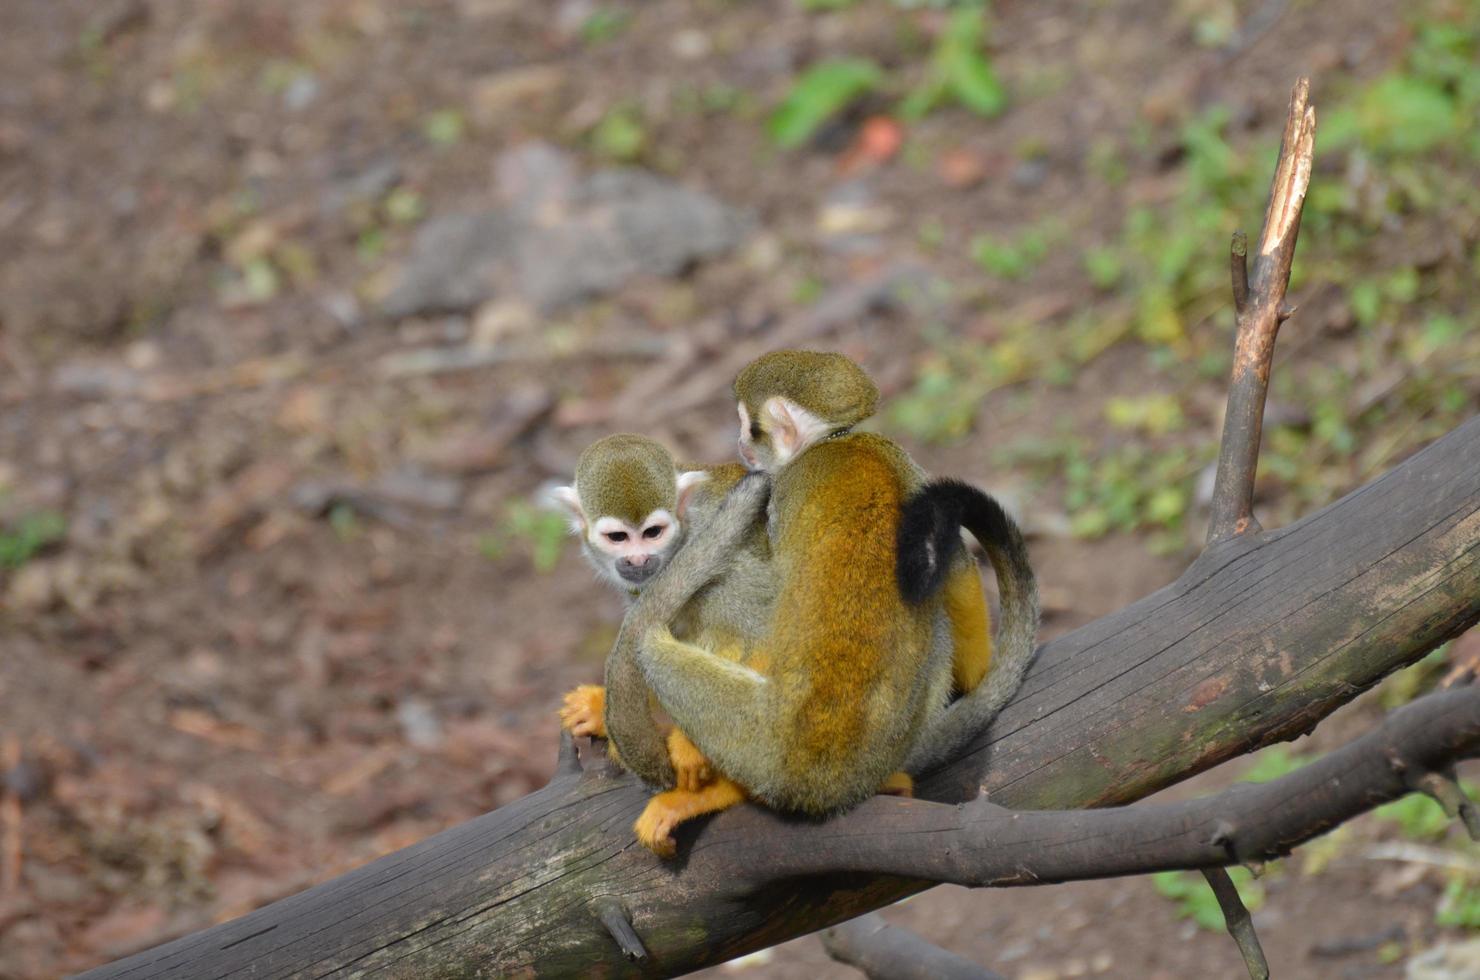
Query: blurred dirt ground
[(300, 303)]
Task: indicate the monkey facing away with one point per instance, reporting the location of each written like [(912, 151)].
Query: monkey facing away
[(857, 646)]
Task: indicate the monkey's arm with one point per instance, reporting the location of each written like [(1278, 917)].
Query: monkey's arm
[(720, 704), (630, 724), (704, 556)]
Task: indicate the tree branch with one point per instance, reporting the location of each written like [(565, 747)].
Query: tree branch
[(980, 844), (1261, 310), (1257, 641), (888, 952)]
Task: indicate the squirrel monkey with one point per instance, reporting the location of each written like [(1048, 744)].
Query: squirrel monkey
[(634, 508), (859, 651)]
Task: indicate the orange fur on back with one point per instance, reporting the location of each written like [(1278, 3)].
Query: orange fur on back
[(838, 613)]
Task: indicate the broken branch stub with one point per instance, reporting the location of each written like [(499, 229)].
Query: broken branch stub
[(1260, 305)]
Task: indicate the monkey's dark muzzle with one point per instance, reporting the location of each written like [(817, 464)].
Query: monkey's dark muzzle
[(638, 570)]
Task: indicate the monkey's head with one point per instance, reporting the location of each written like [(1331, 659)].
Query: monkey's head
[(789, 399), (628, 503)]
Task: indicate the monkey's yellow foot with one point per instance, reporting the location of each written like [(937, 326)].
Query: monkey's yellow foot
[(689, 764), (899, 784), (584, 711), (666, 811)]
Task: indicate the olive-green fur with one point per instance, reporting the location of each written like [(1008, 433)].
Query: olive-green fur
[(828, 385), (724, 607), (849, 681), (852, 672), (725, 615), (627, 476)]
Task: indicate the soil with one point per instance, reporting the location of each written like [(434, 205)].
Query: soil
[(293, 625)]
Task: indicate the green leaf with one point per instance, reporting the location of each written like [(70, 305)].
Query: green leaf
[(823, 91), (1416, 815), (1399, 114), (620, 135), (1272, 763), (30, 536), (1195, 898), (444, 127), (966, 68)]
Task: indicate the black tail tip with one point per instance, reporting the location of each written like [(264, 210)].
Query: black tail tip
[(929, 534)]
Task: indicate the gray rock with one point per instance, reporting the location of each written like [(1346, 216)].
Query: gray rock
[(455, 263), (560, 239)]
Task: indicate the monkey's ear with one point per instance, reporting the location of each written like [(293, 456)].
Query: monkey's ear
[(793, 428), (566, 500), (687, 481)]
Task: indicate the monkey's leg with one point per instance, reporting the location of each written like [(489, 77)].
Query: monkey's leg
[(689, 764), (898, 784), (583, 710), (971, 626), (724, 707), (666, 811)]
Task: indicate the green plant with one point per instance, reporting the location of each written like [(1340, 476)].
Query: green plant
[(344, 522), (604, 24), (1418, 816), (821, 92), (959, 70), (1017, 258), (1195, 899), (1460, 905), (540, 534), (444, 127), (620, 135), (30, 536), (1272, 763), (1154, 415)]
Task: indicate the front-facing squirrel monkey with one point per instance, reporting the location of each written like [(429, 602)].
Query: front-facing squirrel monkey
[(634, 508), (858, 648)]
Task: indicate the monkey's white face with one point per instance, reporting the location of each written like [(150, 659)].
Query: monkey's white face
[(630, 554)]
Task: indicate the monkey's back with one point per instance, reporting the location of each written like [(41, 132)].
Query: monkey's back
[(849, 658)]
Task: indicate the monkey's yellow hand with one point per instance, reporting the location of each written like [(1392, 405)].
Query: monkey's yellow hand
[(584, 711), (666, 811), (689, 764), (898, 784)]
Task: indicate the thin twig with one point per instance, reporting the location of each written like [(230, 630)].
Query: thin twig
[(888, 952), (1240, 926), (612, 915), (1261, 309), (1238, 262), (1446, 792)]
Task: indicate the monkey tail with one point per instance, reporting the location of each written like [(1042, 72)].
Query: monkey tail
[(929, 534)]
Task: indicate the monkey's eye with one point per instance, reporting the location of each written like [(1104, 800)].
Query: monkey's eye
[(616, 537), (654, 532), (755, 430)]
